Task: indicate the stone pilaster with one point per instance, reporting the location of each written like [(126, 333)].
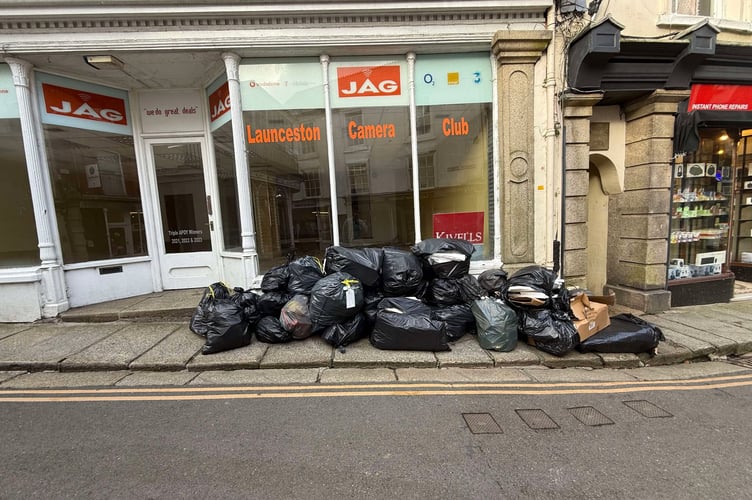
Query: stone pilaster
[(517, 53), (577, 110), (639, 218)]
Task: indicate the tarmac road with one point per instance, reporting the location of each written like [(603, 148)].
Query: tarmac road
[(674, 432)]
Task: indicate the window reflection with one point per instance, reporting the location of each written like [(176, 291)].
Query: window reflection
[(96, 192), (228, 187)]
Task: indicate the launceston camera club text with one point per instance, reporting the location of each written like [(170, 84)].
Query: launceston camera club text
[(305, 133)]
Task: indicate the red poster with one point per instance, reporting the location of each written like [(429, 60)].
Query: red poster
[(76, 103), (707, 97), (461, 225), (219, 101)]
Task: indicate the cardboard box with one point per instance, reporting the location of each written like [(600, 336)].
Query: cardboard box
[(591, 316)]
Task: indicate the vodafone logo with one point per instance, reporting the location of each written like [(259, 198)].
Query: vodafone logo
[(368, 81), (86, 105)]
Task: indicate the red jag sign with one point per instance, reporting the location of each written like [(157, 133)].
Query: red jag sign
[(460, 225), (219, 101), (76, 103), (368, 81)]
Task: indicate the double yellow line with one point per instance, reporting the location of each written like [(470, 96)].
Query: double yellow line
[(365, 390)]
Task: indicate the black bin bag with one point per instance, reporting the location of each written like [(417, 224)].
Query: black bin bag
[(216, 291), (496, 324), (627, 333), (362, 263), (270, 330), (228, 328), (303, 274), (458, 319), (447, 257), (401, 273), (399, 329), (552, 331), (334, 299), (346, 333), (275, 279)]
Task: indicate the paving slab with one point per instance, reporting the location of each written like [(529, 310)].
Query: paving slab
[(63, 379), (571, 359), (118, 350), (172, 353), (667, 323), (307, 353), (102, 312), (619, 360), (258, 377), (717, 324), (155, 379), (522, 355), (172, 304), (465, 352), (8, 329), (7, 375), (699, 347), (362, 354), (357, 375), (580, 375), (667, 354), (459, 375), (742, 309), (247, 357), (689, 370), (44, 346)]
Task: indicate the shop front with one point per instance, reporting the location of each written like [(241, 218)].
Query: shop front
[(138, 171)]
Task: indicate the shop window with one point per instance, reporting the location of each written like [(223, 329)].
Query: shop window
[(422, 120), (19, 246), (358, 177), (426, 170), (92, 162), (708, 8), (312, 184), (224, 158), (354, 119), (741, 243)]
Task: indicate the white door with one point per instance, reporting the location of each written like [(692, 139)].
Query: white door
[(184, 203)]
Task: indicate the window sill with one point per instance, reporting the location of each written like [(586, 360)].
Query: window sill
[(674, 21)]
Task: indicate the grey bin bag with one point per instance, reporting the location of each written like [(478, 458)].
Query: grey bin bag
[(496, 324)]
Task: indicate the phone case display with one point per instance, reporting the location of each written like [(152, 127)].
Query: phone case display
[(700, 214), (741, 245)]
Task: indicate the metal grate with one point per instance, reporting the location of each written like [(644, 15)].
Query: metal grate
[(647, 409), (740, 361), (590, 416), (481, 423), (537, 419)]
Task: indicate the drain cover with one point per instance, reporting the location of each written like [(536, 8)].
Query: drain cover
[(590, 416), (740, 361), (537, 419), (481, 423), (647, 409)]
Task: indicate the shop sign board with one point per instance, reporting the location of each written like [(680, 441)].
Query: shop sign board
[(71, 103), (171, 111), (219, 104), (453, 79), (284, 84), (364, 83), (8, 99), (711, 97), (459, 225)]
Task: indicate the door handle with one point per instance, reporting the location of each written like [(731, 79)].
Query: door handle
[(208, 204)]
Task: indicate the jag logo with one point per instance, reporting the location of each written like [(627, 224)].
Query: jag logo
[(368, 81), (85, 105)]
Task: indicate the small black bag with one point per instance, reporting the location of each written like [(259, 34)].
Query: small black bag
[(627, 333), (199, 323), (401, 273), (458, 319), (228, 328), (275, 279), (303, 274), (270, 330), (345, 333), (362, 263)]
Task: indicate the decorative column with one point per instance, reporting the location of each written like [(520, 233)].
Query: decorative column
[(54, 299), (242, 176), (516, 53), (577, 110), (639, 218)]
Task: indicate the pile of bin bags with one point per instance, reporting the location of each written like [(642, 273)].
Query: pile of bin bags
[(417, 299), (421, 299)]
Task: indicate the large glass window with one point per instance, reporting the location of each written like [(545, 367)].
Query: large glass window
[(285, 121), (453, 93), (93, 170)]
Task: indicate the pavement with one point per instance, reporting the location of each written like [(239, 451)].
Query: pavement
[(145, 340)]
